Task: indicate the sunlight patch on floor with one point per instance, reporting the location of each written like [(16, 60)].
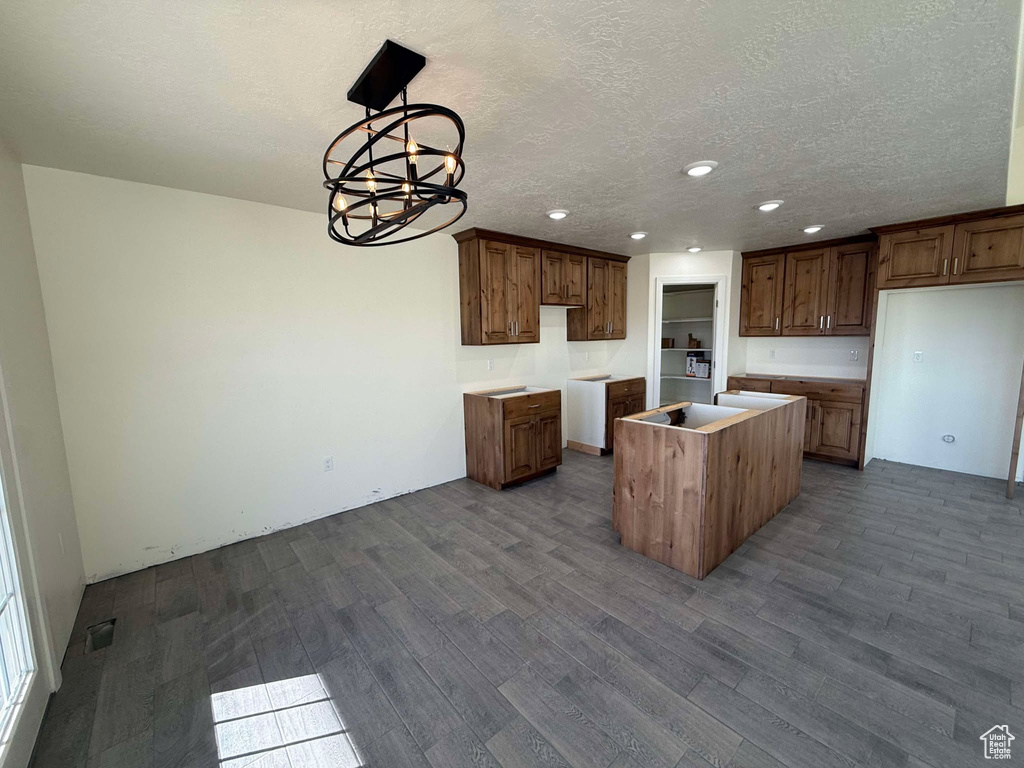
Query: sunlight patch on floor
[(282, 724)]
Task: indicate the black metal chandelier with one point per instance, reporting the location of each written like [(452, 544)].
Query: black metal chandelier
[(375, 193)]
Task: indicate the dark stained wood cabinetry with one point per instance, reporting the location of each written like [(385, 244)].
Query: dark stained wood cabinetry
[(761, 295), (851, 278), (604, 316), (499, 291), (822, 289), (979, 247), (504, 279), (915, 258), (987, 251), (835, 412), (563, 276), (512, 434), (805, 293)]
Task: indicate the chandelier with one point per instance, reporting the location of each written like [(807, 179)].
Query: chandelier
[(381, 173)]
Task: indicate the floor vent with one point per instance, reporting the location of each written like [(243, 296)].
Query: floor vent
[(99, 636)]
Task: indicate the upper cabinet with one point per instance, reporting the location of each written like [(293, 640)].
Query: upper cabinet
[(564, 277), (761, 295), (980, 247), (499, 291), (915, 258), (604, 316), (504, 279), (816, 290), (805, 294), (985, 251)]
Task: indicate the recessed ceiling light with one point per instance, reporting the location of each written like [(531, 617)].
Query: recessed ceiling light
[(694, 249), (638, 235), (769, 205), (558, 213), (812, 229), (700, 168)]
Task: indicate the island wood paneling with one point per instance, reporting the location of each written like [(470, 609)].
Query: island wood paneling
[(689, 498)]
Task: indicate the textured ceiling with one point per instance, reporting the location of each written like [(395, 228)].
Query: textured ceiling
[(855, 113)]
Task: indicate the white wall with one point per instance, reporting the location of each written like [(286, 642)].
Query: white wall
[(967, 383), (36, 487), (814, 356), (210, 352)]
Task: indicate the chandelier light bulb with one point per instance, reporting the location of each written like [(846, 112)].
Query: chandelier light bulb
[(339, 203), (449, 164), (406, 188), (412, 148), (371, 181)]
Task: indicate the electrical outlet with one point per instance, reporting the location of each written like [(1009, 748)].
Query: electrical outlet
[(328, 463), (918, 356), (855, 354), (490, 364), (771, 354), (586, 357)]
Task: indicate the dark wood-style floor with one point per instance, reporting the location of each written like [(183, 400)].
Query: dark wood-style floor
[(878, 621)]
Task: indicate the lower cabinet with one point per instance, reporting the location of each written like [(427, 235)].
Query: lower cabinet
[(512, 434), (595, 402), (834, 416)]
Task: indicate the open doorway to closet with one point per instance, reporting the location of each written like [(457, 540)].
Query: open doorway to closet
[(689, 340)]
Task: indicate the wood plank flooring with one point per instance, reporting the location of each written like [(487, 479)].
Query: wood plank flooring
[(878, 621)]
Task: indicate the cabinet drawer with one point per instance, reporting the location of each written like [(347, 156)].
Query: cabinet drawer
[(750, 385), (821, 390), (626, 387), (532, 404)]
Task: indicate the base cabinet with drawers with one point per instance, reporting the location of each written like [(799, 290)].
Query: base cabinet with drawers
[(594, 403), (834, 415), (512, 434)]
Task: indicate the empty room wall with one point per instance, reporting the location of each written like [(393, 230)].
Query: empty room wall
[(37, 489), (966, 384), (210, 352)]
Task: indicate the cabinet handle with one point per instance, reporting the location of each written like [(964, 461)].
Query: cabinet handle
[(517, 327), (535, 406), (821, 323), (509, 327), (945, 267), (776, 323), (956, 261), (828, 323)]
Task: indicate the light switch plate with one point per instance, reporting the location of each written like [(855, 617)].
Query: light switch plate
[(490, 364), (918, 356), (771, 354), (855, 354)]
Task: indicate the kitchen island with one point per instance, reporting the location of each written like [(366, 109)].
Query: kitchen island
[(694, 481)]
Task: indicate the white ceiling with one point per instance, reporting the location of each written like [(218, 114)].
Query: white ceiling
[(855, 113)]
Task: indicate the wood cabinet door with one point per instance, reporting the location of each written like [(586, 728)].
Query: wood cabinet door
[(849, 297), (616, 300), (810, 425), (617, 408), (761, 296), (575, 271), (553, 278), (915, 258), (495, 319), (984, 251), (548, 429), (837, 429), (520, 448), (524, 297), (805, 296), (597, 298)]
